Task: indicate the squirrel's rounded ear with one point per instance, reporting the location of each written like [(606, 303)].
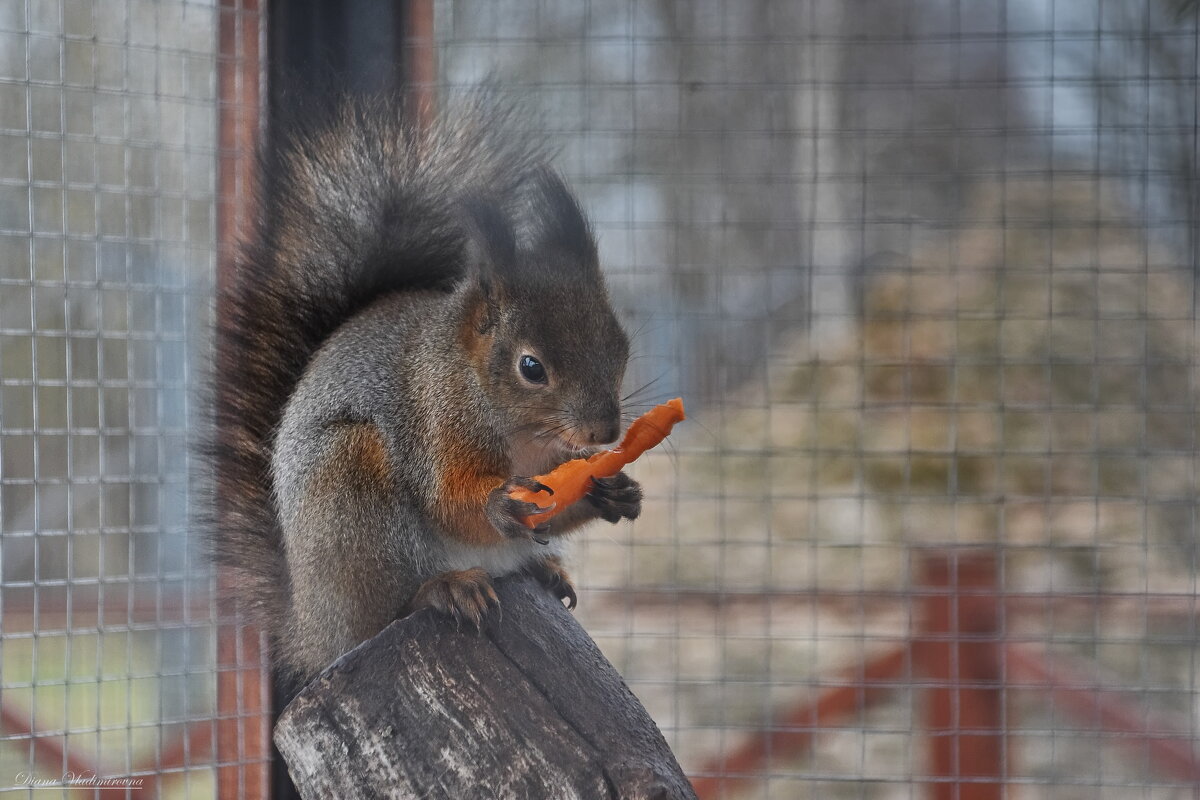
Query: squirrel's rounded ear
[(489, 252), (556, 220), (491, 245)]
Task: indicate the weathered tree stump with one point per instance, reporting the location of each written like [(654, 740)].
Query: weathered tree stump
[(527, 709)]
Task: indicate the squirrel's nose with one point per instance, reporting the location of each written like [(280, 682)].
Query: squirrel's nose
[(603, 433)]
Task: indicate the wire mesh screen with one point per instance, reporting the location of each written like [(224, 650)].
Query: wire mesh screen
[(107, 252), (924, 272)]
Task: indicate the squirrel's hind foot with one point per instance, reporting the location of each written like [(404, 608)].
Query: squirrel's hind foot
[(465, 595), (550, 573)]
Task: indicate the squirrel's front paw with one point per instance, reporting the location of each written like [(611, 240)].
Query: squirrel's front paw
[(616, 498), (508, 514), (466, 595)]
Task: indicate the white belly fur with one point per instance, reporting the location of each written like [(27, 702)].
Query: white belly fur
[(501, 559), (528, 457)]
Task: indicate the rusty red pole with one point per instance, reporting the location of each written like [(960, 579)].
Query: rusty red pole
[(863, 687), (48, 750), (243, 727), (420, 60), (958, 652), (1078, 693)]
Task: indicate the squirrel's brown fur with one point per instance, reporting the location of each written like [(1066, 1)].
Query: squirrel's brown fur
[(371, 409)]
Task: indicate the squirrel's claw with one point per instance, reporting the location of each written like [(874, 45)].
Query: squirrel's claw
[(507, 514), (550, 573), (616, 498), (543, 528), (464, 595), (538, 533), (532, 484)]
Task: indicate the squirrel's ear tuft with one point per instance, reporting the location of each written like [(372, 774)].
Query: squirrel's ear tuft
[(489, 252), (554, 219)]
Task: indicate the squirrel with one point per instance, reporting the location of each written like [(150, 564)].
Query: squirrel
[(417, 323)]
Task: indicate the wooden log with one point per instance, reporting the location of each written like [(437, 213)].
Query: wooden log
[(529, 708)]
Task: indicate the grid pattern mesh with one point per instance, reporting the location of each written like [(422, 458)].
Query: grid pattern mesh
[(923, 272), (107, 253)]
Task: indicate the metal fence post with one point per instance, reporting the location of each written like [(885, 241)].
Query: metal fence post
[(957, 651)]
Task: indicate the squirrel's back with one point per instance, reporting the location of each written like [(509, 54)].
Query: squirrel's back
[(352, 204)]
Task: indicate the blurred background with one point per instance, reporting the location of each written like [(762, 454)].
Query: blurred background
[(923, 271)]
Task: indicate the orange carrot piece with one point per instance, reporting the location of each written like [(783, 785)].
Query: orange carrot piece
[(571, 480)]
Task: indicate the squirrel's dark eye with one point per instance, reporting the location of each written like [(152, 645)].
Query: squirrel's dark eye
[(532, 369)]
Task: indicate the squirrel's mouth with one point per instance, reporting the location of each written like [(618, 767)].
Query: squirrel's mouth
[(569, 448)]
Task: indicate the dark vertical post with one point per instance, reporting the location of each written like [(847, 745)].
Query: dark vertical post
[(318, 50), (243, 709), (958, 651)]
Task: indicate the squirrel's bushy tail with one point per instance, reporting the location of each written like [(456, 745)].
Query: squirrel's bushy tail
[(352, 203)]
